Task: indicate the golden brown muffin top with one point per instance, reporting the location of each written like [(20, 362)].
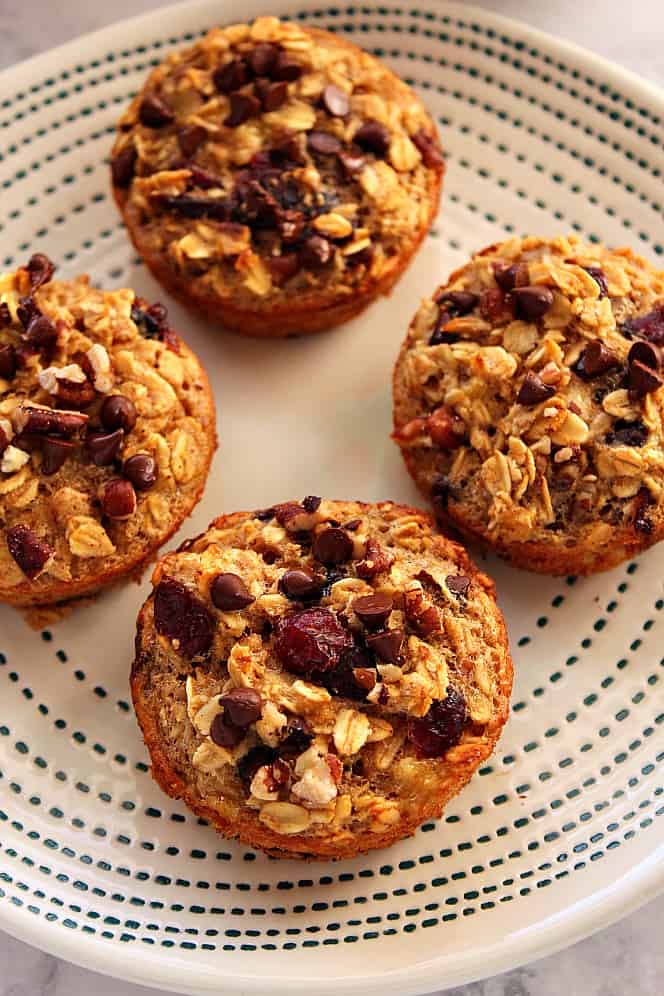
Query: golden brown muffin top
[(271, 159), (106, 426), (528, 392), (327, 665)]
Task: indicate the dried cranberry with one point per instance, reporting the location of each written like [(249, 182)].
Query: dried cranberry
[(190, 139), (5, 315), (192, 206), (649, 326), (180, 615), (641, 519), (628, 433), (441, 728), (311, 640), (30, 552)]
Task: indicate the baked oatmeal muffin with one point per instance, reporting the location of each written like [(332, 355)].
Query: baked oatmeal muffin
[(275, 177), (106, 434), (320, 677), (528, 403)]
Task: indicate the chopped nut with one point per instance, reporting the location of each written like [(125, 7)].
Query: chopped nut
[(13, 459), (101, 366)]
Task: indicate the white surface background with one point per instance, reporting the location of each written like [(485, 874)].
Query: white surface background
[(626, 960)]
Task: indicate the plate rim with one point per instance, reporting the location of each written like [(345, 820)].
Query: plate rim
[(640, 885)]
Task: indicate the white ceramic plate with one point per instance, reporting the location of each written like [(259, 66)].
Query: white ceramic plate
[(562, 832)]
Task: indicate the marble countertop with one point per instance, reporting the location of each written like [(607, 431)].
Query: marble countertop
[(625, 960)]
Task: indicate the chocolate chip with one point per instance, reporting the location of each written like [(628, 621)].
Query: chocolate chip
[(352, 160), (5, 315), (229, 593), (40, 270), (386, 645), (141, 469), (316, 251), (155, 112), (283, 267), (458, 584), (373, 610), (242, 706), (335, 101), (118, 412), (263, 58), (123, 166), (118, 500), (373, 137), (224, 733), (532, 302), (510, 276), (103, 447), (7, 361), (324, 143), (48, 421), (190, 138), (4, 440), (311, 503), (643, 380), (272, 95), (332, 546), (180, 615), (286, 68), (27, 310), (595, 360), (441, 492), (533, 390), (41, 335), (428, 148), (458, 303), (29, 551), (647, 353), (300, 584), (598, 276), (231, 76), (54, 453), (243, 107)]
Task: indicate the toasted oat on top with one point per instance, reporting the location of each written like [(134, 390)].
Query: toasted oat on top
[(528, 403), (106, 434), (320, 677), (276, 177)]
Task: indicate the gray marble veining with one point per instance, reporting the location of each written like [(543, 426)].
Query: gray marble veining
[(628, 958)]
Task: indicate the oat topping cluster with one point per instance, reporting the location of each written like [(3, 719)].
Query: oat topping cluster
[(270, 158), (527, 394), (341, 661), (98, 427)]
